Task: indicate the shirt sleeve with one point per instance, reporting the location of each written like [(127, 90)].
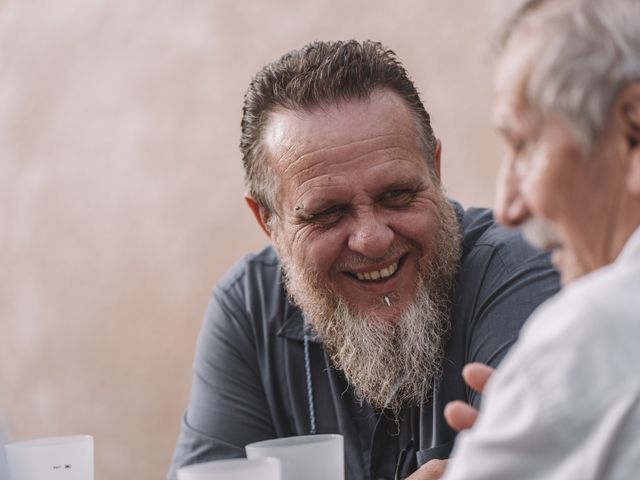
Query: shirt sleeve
[(565, 402), (508, 295), (515, 436), (227, 408)]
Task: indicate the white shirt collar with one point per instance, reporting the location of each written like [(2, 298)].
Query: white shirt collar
[(631, 248)]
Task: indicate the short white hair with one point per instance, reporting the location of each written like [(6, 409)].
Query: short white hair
[(591, 52)]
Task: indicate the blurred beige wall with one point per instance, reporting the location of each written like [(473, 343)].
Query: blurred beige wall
[(121, 188)]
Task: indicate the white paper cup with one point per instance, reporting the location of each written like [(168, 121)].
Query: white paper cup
[(54, 458), (233, 469), (307, 457)]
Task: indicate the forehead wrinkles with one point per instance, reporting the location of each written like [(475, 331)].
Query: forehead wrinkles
[(315, 162), (330, 183), (514, 118)]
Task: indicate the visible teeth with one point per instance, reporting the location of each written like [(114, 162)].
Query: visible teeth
[(377, 274)]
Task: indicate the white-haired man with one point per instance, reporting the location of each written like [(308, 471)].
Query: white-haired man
[(565, 404)]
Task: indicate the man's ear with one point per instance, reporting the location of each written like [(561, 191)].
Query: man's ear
[(261, 214), (436, 159), (630, 103)]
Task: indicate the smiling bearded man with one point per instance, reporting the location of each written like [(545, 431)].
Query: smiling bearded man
[(390, 362), (376, 289), (369, 244)]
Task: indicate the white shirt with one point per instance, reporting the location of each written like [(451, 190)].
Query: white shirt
[(565, 403)]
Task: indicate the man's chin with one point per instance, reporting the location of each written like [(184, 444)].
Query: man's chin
[(384, 308), (389, 354)]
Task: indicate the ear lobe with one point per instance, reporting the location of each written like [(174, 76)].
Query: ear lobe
[(261, 214)]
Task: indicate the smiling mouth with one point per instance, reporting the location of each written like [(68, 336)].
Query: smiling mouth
[(378, 275)]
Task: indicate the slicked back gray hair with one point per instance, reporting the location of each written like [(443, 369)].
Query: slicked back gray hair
[(591, 52), (320, 74)]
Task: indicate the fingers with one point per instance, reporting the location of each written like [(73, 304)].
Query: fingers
[(432, 470), (476, 375), (459, 415)]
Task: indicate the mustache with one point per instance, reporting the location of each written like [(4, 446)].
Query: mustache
[(540, 233)]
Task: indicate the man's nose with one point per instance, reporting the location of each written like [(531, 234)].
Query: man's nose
[(509, 207), (370, 235)]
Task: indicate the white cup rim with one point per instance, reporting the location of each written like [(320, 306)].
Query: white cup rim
[(50, 441), (294, 441), (227, 464)]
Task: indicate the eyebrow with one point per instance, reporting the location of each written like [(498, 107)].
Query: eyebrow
[(507, 124)]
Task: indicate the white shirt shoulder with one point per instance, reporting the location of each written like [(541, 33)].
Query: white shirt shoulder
[(565, 404)]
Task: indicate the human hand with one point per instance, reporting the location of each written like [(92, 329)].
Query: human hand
[(432, 470), (458, 414)]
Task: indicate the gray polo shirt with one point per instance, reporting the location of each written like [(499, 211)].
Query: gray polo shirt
[(249, 370)]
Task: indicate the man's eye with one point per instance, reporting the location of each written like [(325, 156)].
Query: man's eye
[(397, 198), (328, 215), (518, 146)]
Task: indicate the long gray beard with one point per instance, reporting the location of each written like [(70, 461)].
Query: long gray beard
[(389, 364)]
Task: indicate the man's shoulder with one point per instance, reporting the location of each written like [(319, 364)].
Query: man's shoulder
[(254, 288), (600, 305), (501, 281), (260, 266), (483, 237), (583, 343)]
